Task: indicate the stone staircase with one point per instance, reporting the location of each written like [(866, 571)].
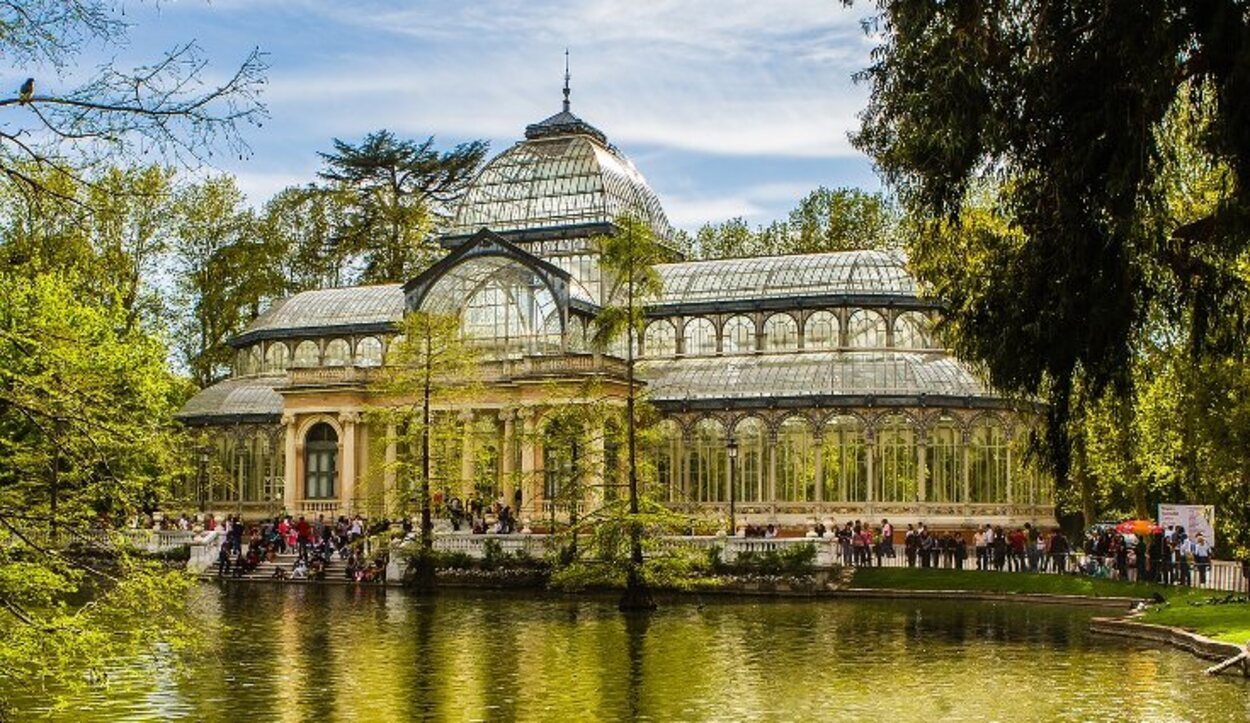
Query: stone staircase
[(335, 570)]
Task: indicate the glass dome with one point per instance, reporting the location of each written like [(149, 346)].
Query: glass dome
[(561, 175)]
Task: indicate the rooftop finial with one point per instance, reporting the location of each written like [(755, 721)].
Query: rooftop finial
[(566, 80)]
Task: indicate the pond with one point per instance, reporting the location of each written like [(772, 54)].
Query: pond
[(340, 653)]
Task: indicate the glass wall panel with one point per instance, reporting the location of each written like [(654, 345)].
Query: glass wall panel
[(845, 458), (708, 461), (911, 331), (896, 450), (369, 352), (738, 336), (338, 353), (666, 457), (277, 357), (987, 468), (751, 477), (944, 463), (781, 333), (796, 462), (866, 329), (660, 339), (821, 331), (306, 355), (699, 337), (1024, 473)]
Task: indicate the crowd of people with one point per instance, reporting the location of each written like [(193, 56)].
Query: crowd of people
[(314, 545), (479, 516), (1171, 557)]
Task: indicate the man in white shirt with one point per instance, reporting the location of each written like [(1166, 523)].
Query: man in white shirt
[(1202, 557)]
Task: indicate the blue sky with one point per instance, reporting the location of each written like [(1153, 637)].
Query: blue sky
[(729, 108)]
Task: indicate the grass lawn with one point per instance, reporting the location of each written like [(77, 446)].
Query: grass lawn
[(1184, 609), (1229, 622), (922, 579)]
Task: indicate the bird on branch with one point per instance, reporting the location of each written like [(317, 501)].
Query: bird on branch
[(27, 91)]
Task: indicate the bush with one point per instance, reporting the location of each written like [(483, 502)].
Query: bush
[(792, 560)]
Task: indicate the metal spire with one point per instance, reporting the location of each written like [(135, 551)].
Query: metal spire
[(566, 80)]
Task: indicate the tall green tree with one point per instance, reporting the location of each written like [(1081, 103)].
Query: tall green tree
[(225, 272), (429, 368), (1059, 108), (628, 257), (401, 191), (301, 223)]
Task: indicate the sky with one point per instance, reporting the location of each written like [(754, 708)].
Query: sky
[(728, 107)]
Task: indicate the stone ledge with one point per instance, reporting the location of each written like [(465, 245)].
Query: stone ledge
[(1192, 643), (1028, 597)]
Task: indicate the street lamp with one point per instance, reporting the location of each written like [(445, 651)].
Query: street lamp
[(731, 448)]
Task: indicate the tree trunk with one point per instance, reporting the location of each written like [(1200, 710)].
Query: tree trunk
[(636, 596), (425, 559)]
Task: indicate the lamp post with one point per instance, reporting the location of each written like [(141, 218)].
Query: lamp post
[(731, 448)]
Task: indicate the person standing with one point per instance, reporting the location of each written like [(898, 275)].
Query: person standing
[(1202, 557), (887, 539), (909, 546)]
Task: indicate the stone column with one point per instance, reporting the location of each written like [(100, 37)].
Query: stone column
[(594, 474), (683, 466), (1010, 493), (530, 484), (290, 458), (347, 464), (390, 496), (507, 457)]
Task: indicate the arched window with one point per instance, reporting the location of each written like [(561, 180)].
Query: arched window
[(738, 336), (749, 475), (277, 357), (708, 461), (321, 449), (306, 355), (911, 331), (896, 450), (338, 353), (865, 329), (369, 352), (821, 331), (660, 339), (944, 462), (987, 464), (781, 333), (845, 459), (699, 337), (796, 462)]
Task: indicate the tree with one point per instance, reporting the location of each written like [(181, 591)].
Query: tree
[(628, 257), (429, 367), (1059, 109), (85, 437), (225, 272), (167, 107), (301, 224), (841, 219), (401, 190)]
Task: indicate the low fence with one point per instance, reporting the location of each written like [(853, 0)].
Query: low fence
[(152, 541)]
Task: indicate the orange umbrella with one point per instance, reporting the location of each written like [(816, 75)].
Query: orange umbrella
[(1138, 527)]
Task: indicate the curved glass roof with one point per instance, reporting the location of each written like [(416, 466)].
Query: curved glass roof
[(763, 376), (238, 398), (564, 177), (767, 277), (348, 306)]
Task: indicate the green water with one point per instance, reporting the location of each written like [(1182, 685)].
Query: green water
[(335, 653)]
